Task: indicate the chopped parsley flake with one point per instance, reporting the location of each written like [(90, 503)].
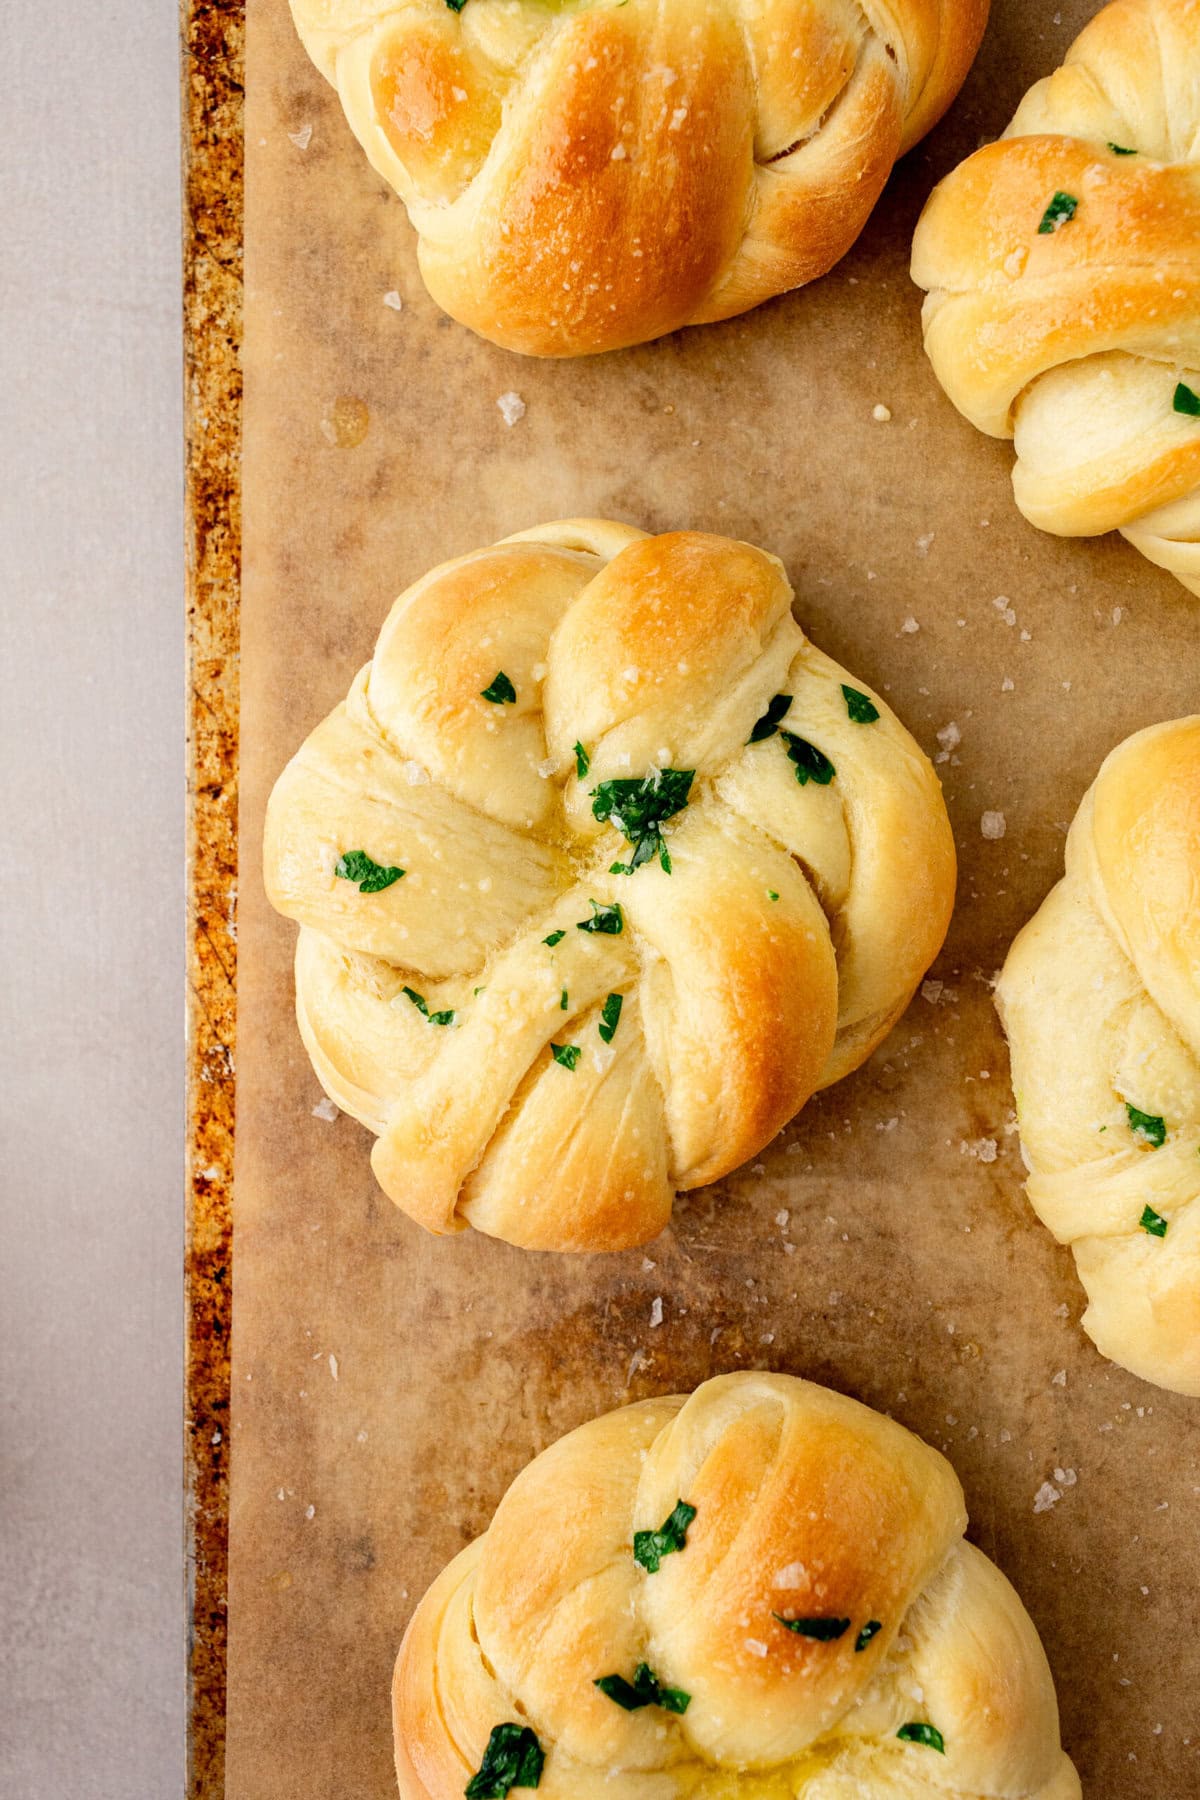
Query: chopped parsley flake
[(921, 1733), (456, 6), (871, 1629), (610, 1017), (563, 1002), (824, 1630), (649, 1547), (1153, 1222), (1148, 1126), (1060, 211), (1186, 401), (501, 691), (513, 1758), (583, 761), (811, 764), (862, 711), (422, 1006), (556, 937), (644, 1690), (372, 877), (638, 809), (609, 921), (567, 1055), (768, 725), (771, 894), (1120, 150)]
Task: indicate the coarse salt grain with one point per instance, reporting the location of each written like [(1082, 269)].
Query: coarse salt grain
[(910, 625), (656, 1310), (882, 414), (302, 138), (333, 1365), (392, 299), (511, 406), (993, 825), (325, 1109), (1046, 1497)]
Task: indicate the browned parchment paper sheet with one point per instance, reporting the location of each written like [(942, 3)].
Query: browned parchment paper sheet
[(387, 1385)]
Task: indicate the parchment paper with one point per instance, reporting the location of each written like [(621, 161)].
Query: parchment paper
[(387, 1385)]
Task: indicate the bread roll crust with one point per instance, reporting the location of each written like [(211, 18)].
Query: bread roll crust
[(807, 1506), (1073, 340), (1100, 997), (789, 931), (586, 176)]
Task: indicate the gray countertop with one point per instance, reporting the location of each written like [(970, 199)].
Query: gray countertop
[(92, 898)]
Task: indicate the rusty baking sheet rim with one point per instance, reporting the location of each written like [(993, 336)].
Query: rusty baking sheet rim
[(212, 64)]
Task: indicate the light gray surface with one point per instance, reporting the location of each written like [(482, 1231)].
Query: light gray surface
[(91, 905)]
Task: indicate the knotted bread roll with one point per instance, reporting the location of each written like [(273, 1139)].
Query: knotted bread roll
[(1063, 273), (602, 869), (584, 175), (758, 1592), (1100, 997)]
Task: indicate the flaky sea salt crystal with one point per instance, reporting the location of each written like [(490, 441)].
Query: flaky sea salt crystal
[(910, 625), (1046, 1497), (325, 1109), (881, 414), (392, 298), (512, 407), (656, 1310), (302, 138), (993, 825)]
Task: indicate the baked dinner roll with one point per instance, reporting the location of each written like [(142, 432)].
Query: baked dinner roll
[(1100, 998), (1063, 273), (759, 1591), (601, 870), (584, 174)]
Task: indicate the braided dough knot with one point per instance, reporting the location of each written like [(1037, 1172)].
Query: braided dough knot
[(586, 175), (547, 1044), (1100, 997), (1063, 273), (808, 1507)]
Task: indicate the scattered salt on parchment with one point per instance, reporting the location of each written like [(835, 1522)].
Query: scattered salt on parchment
[(512, 407)]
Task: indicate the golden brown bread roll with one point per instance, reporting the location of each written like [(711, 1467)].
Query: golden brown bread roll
[(589, 175), (777, 1579), (547, 1044), (1100, 997), (1063, 273)]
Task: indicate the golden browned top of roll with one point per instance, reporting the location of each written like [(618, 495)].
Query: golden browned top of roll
[(758, 1592), (584, 174), (602, 868)]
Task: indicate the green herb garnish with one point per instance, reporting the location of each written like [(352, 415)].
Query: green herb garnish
[(501, 691), (1147, 1126), (1060, 211), (824, 1630), (811, 764), (583, 761), (563, 1002), (639, 808), (456, 6), (1153, 1222), (422, 1006), (920, 1733), (372, 877), (861, 710), (610, 1017), (567, 1055), (871, 1629), (556, 937), (771, 894), (649, 1547), (1186, 401), (644, 1690), (609, 921), (768, 725), (513, 1758), (1120, 150)]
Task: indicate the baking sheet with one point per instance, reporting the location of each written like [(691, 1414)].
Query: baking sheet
[(387, 1385)]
